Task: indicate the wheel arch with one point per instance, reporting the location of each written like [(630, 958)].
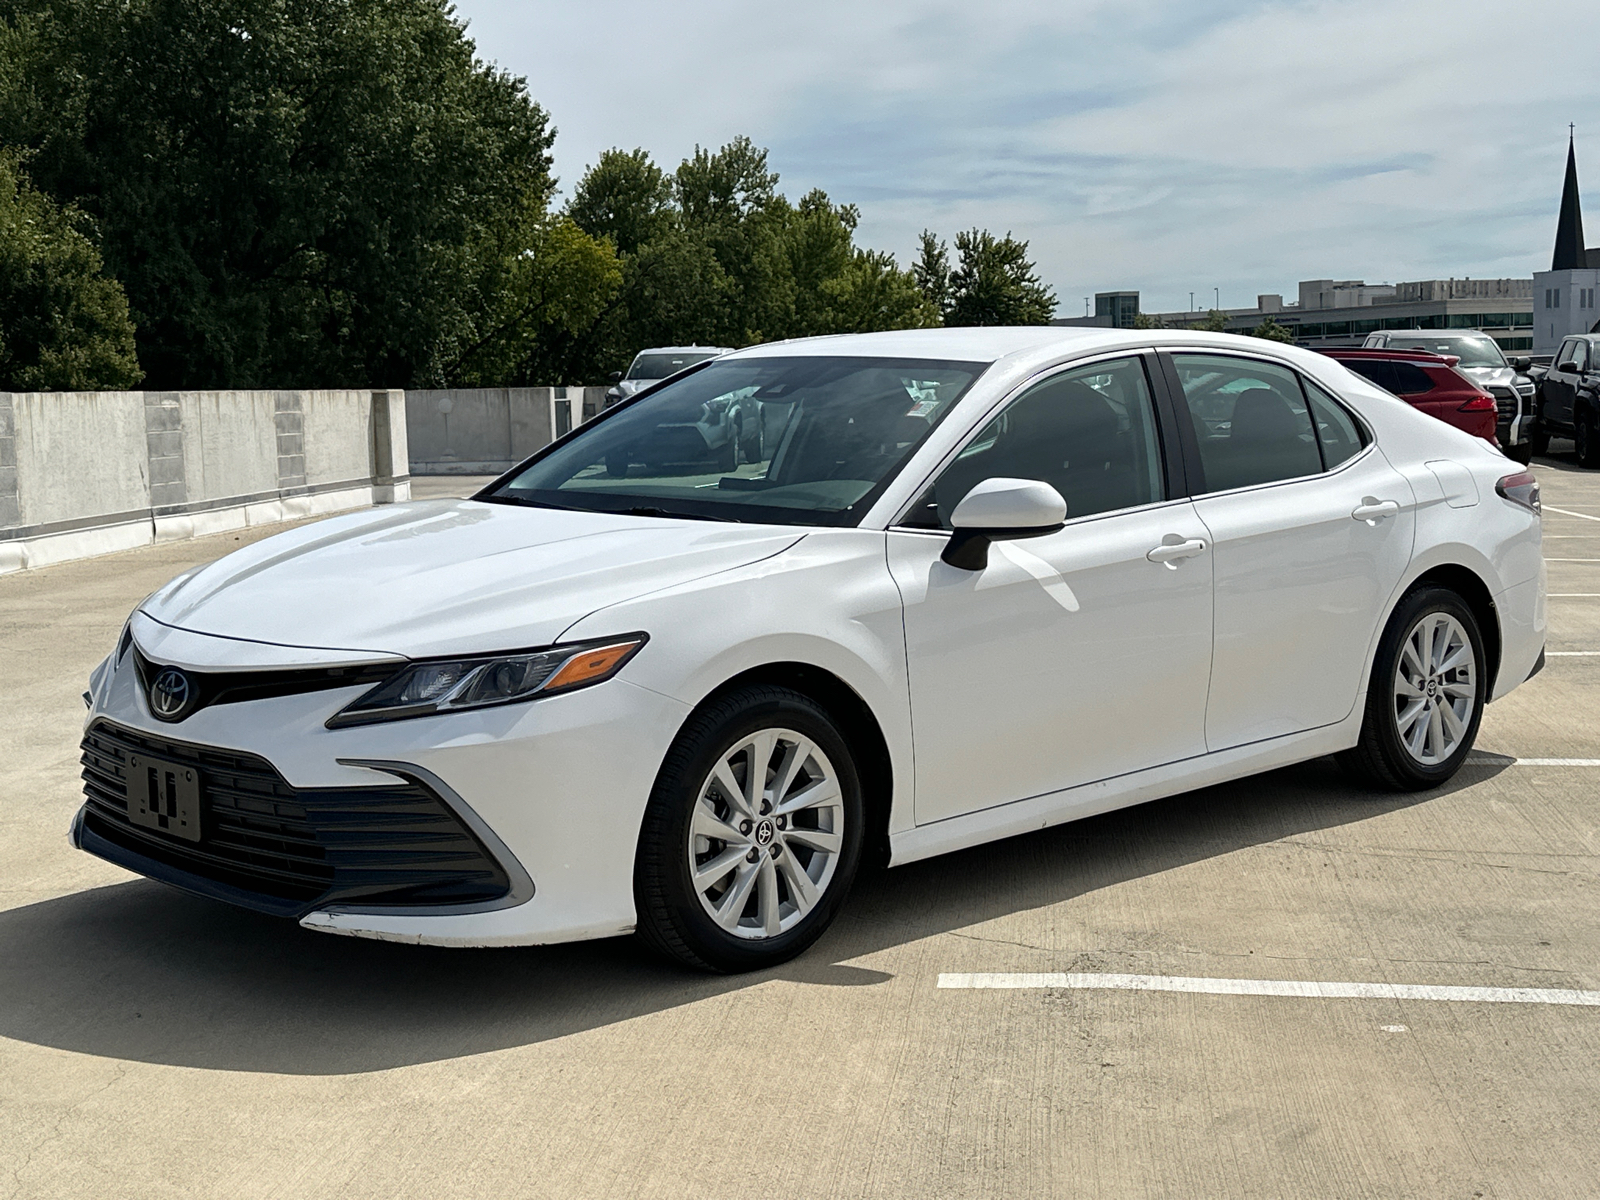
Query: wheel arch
[(857, 722), (1469, 585)]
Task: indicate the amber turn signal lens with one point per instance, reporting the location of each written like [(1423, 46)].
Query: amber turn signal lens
[(591, 665)]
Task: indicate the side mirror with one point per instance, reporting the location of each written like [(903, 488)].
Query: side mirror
[(615, 377), (999, 509), (1568, 367), (1521, 364)]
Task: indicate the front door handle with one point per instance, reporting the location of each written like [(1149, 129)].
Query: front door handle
[(1372, 510), (1170, 553)]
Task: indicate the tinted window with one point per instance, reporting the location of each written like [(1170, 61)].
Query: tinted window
[(1250, 418), (1089, 433), (659, 366), (806, 440), (1336, 429), (1410, 380), (1381, 373), (1580, 354)]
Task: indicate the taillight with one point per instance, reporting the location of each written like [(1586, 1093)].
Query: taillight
[(1521, 488), (1478, 404)]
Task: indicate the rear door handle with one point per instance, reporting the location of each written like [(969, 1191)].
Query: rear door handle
[(1372, 510), (1170, 554)]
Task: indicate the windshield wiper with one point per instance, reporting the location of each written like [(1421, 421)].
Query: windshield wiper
[(651, 510)]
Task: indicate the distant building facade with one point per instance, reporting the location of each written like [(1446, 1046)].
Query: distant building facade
[(1341, 312), (1565, 294)]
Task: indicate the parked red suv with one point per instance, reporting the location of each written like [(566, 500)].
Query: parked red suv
[(1427, 381)]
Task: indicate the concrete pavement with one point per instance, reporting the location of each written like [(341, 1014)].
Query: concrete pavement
[(155, 1045)]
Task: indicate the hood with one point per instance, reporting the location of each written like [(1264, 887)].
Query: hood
[(1484, 376), (448, 576)]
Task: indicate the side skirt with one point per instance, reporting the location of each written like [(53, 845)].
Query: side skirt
[(1124, 791)]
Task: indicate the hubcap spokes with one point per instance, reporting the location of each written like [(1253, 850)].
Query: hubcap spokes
[(766, 833), (1435, 687)]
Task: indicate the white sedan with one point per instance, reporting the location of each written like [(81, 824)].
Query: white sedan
[(974, 583)]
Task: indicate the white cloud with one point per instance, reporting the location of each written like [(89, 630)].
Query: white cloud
[(1163, 146)]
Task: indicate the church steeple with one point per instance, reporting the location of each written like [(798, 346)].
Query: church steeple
[(1570, 255)]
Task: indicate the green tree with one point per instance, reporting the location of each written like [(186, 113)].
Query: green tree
[(994, 283), (872, 293), (1272, 331), (624, 197), (63, 323), (932, 271), (1216, 321), (293, 192), (1146, 321)]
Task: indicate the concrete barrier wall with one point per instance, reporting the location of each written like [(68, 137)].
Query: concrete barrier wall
[(484, 431), (84, 473)]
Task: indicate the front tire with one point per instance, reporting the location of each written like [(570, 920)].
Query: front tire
[(752, 835), (1426, 696), (1539, 442), (1521, 455)]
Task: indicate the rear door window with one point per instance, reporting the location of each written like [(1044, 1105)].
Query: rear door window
[(1410, 379), (1379, 372), (1336, 429), (1250, 419)]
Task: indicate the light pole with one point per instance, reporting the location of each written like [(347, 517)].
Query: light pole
[(1086, 306), (1191, 301), (1218, 291)]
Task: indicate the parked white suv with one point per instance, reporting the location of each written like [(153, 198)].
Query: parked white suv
[(654, 365)]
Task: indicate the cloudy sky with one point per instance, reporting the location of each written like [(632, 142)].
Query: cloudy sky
[(1171, 147)]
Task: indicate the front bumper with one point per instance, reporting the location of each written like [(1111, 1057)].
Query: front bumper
[(550, 794)]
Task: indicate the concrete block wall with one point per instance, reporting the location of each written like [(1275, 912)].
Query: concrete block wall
[(484, 431), (84, 473)]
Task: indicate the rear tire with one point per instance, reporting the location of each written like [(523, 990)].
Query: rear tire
[(1521, 455), (1426, 696), (1584, 440), (735, 873)]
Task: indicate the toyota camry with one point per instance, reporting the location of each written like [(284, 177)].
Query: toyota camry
[(965, 584)]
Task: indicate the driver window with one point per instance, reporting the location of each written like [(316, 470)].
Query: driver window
[(1250, 419), (1090, 433), (1580, 353)]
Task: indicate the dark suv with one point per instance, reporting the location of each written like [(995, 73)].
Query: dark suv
[(1569, 399)]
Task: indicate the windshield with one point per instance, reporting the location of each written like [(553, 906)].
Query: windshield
[(801, 441), (659, 366), (1474, 349)]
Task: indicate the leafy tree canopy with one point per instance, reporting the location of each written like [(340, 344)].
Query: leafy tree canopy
[(993, 282), (63, 324), (291, 191)]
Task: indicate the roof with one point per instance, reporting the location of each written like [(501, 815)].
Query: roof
[(1378, 352), (683, 350)]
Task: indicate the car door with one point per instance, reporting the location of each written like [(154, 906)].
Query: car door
[(1311, 529), (1072, 657), (1560, 383)]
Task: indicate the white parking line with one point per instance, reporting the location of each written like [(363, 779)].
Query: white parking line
[(1300, 989), (1573, 595), (1572, 560), (1572, 653), (1494, 760), (1567, 512)]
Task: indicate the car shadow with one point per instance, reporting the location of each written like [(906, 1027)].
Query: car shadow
[(138, 971)]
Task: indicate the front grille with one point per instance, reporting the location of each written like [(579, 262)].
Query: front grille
[(1505, 400), (290, 850)]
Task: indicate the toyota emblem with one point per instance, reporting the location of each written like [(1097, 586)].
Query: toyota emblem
[(171, 694)]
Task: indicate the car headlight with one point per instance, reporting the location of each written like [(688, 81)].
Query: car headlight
[(450, 685)]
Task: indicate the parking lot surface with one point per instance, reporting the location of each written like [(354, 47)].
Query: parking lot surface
[(153, 1044)]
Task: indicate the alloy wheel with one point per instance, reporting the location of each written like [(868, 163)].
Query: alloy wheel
[(1435, 688), (766, 833)]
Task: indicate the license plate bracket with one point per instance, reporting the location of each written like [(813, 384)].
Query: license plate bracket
[(164, 796)]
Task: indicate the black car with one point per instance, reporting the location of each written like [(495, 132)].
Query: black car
[(1568, 403)]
